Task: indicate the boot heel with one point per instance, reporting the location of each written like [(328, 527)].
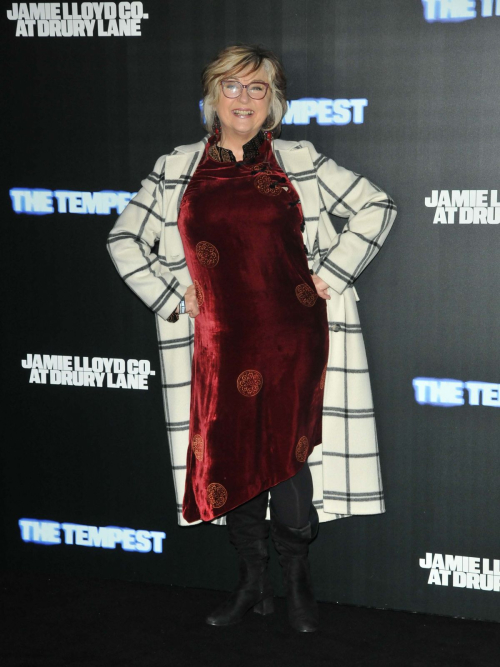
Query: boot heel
[(265, 606)]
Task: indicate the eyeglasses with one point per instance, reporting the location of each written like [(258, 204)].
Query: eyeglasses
[(256, 89)]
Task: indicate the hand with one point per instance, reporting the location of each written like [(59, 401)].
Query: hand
[(321, 286), (192, 307)]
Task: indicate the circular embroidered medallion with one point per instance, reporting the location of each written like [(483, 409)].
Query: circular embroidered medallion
[(249, 383), (197, 445), (200, 297), (306, 295), (207, 254), (301, 449), (322, 379), (267, 186), (217, 494)]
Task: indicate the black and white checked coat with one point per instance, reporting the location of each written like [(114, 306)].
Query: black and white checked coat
[(345, 467)]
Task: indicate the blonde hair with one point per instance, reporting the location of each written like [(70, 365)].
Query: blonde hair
[(234, 59)]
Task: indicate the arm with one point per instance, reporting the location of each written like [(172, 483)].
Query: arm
[(370, 214), (130, 245)]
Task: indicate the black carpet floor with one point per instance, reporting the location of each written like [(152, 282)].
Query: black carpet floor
[(63, 621)]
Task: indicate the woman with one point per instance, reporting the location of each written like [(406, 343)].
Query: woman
[(247, 250)]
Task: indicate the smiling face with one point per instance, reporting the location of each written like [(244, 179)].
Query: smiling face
[(242, 117)]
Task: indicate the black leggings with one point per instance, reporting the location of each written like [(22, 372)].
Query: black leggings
[(293, 497)]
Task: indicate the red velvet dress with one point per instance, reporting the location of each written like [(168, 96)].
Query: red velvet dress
[(261, 337)]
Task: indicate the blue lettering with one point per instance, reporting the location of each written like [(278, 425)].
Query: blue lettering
[(143, 541), (453, 11), (96, 536), (41, 532), (294, 115), (487, 7), (37, 201), (104, 537), (341, 112), (326, 111), (446, 393), (358, 114)]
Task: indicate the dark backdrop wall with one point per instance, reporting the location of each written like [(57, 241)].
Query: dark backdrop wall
[(418, 115)]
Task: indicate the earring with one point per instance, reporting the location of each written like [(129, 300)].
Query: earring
[(268, 133), (216, 126)]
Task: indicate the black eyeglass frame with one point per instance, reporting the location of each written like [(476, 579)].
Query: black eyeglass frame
[(244, 85)]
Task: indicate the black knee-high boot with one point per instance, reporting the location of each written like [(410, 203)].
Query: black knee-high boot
[(249, 533), (292, 545)]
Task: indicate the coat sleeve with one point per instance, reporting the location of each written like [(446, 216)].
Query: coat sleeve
[(130, 244), (370, 212)]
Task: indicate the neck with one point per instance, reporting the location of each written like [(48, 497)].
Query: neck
[(235, 142)]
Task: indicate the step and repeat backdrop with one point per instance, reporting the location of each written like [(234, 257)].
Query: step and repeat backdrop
[(405, 93)]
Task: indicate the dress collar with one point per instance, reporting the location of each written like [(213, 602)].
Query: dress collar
[(250, 149)]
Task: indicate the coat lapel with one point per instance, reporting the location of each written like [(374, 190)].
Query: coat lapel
[(298, 165), (178, 171)]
